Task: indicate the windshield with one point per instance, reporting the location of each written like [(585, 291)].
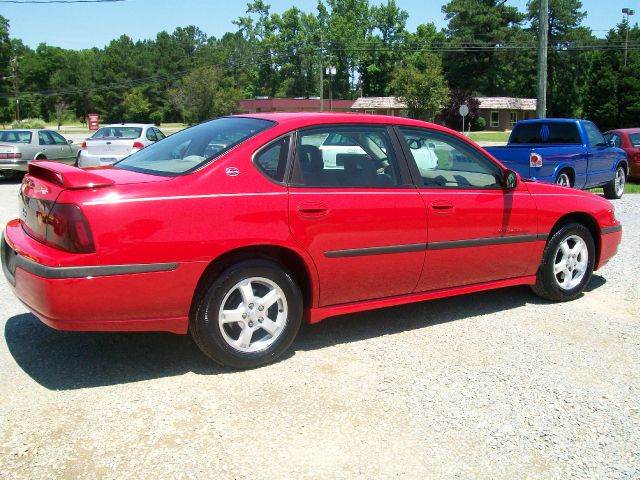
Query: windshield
[(634, 138), (13, 136), (189, 149), (117, 132)]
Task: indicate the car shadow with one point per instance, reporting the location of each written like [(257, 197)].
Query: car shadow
[(72, 360)]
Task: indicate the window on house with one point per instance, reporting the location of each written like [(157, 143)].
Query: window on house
[(513, 118), (495, 119)]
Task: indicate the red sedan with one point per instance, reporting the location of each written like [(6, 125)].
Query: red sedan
[(628, 139), (238, 229)]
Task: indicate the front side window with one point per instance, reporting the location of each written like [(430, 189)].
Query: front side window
[(614, 139), (159, 134), (346, 156), (596, 139), (634, 138), (58, 139), (444, 161), (189, 149)]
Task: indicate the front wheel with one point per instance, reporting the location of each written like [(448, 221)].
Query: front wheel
[(615, 188), (567, 264), (249, 316)]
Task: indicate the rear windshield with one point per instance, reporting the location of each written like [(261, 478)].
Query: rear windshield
[(118, 132), (189, 149), (634, 138), (564, 133), (15, 136)]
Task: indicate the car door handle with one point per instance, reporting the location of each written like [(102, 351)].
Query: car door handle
[(312, 210), (442, 207)]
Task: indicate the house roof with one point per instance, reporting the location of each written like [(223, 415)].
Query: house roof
[(378, 102), (507, 103), (292, 103)]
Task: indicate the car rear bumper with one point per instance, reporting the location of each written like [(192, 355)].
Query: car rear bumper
[(609, 240), (18, 165), (145, 297)]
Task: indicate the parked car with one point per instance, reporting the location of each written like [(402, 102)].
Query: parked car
[(112, 143), (240, 245), (18, 147), (568, 152), (628, 139)]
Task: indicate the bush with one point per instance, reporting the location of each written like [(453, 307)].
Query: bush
[(478, 124), (156, 117), (29, 123)]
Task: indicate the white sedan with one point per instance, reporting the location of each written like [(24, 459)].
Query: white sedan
[(112, 143)]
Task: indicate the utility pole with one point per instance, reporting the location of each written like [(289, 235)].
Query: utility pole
[(628, 12), (16, 85), (321, 78), (543, 35)]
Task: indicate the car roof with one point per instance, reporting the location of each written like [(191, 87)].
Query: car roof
[(137, 125), (304, 119), (32, 130), (624, 130)]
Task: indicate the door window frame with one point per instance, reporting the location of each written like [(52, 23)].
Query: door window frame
[(415, 172), (289, 161), (295, 178)]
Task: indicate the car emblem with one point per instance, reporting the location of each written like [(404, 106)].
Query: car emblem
[(24, 212), (44, 190), (232, 171)]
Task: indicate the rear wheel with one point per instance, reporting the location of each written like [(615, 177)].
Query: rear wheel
[(615, 188), (563, 179), (249, 316), (567, 264)]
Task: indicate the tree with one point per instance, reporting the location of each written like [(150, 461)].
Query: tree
[(421, 85), (136, 107), (612, 91), (480, 30), (5, 73), (566, 65), (451, 112), (205, 93), (60, 111)]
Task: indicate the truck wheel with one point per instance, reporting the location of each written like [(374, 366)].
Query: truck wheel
[(249, 315), (615, 188), (567, 264), (563, 179)]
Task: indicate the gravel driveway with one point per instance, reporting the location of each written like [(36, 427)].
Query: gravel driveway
[(492, 385)]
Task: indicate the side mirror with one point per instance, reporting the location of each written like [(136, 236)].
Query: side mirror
[(70, 142), (509, 180)]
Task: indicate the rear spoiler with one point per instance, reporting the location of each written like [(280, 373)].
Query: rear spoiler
[(67, 176)]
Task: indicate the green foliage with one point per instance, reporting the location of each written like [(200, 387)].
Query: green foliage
[(29, 123), (205, 93), (136, 107), (156, 117), (478, 124), (421, 85)]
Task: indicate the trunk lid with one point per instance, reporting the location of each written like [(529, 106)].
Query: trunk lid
[(109, 147)]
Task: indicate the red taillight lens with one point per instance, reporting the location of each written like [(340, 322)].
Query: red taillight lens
[(67, 229), (138, 145), (11, 156), (83, 146)]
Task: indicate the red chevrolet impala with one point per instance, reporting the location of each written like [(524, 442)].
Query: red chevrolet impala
[(238, 229)]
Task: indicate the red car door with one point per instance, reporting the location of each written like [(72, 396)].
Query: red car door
[(478, 231), (357, 214)]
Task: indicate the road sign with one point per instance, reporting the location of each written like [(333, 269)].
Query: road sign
[(464, 110)]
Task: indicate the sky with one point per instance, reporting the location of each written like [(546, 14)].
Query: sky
[(86, 25)]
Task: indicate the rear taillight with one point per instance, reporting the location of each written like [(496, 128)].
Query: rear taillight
[(83, 146), (11, 156), (138, 145), (535, 160), (68, 229), (64, 227)]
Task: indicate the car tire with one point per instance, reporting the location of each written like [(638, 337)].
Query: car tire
[(563, 179), (615, 188), (567, 264), (77, 164), (249, 315)]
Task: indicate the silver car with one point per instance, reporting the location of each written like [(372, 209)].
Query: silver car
[(17, 147), (114, 142)]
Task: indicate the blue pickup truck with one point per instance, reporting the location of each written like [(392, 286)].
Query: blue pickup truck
[(568, 152)]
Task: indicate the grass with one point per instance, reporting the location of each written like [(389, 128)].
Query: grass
[(486, 136), (628, 188)]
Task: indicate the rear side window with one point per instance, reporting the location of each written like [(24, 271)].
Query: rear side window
[(272, 160), (151, 135), (189, 149), (562, 133), (634, 138)]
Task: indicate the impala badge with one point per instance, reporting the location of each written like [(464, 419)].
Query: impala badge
[(232, 171)]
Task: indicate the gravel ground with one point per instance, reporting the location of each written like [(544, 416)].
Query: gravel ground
[(492, 385)]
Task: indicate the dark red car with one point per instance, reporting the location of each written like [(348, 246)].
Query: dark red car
[(239, 228), (628, 139)]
